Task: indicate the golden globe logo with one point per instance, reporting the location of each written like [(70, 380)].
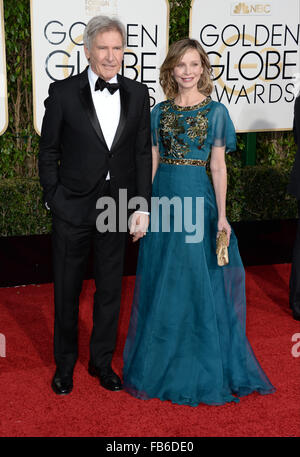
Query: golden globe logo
[(95, 7), (250, 9), (105, 7), (95, 4)]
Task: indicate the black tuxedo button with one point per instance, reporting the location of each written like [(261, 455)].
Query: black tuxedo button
[(110, 155)]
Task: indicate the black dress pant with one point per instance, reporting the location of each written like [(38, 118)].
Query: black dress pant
[(71, 247), (295, 272)]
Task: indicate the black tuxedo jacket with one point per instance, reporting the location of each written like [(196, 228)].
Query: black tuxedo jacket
[(294, 184), (74, 158)]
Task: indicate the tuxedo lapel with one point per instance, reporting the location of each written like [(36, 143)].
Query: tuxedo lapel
[(87, 101), (124, 100)]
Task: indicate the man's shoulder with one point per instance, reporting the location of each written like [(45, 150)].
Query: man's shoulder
[(132, 84), (68, 83)]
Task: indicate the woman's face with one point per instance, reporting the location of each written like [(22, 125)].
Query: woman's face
[(188, 71)]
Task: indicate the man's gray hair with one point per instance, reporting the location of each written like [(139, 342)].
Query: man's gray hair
[(100, 24)]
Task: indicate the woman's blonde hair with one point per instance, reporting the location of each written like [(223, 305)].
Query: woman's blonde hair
[(176, 51)]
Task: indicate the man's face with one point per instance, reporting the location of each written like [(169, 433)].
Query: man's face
[(106, 54)]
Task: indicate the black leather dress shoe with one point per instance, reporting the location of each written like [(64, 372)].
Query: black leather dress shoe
[(62, 385), (107, 377)]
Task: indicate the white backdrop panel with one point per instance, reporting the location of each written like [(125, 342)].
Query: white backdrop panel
[(254, 48), (57, 49)]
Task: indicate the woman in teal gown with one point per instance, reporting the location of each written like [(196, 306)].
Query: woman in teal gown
[(187, 338)]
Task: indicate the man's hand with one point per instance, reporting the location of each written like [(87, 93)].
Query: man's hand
[(139, 225)]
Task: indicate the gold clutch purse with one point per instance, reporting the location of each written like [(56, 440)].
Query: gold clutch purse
[(222, 249)]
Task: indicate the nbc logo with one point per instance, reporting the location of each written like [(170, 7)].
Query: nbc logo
[(253, 9), (93, 7), (241, 8)]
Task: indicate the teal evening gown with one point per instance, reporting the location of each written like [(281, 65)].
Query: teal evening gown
[(187, 335)]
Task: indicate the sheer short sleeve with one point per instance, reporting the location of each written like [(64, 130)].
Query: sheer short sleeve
[(155, 117), (222, 131)]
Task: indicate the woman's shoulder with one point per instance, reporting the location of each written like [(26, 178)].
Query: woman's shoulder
[(160, 107), (219, 107)]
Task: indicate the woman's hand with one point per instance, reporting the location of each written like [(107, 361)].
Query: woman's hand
[(224, 225), (139, 225)]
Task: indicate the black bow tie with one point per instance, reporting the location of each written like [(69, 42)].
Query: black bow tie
[(111, 87)]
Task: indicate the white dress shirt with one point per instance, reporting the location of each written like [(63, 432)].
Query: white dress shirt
[(108, 108)]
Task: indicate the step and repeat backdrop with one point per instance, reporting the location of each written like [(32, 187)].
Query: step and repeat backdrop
[(57, 48), (254, 49), (255, 54), (3, 85)]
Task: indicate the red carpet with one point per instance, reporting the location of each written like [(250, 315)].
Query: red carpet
[(28, 407)]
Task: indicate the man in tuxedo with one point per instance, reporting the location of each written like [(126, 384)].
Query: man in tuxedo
[(95, 140), (294, 189)]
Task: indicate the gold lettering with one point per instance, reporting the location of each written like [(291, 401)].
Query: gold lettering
[(254, 8), (267, 9)]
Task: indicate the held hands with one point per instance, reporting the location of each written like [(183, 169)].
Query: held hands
[(139, 225), (224, 225)]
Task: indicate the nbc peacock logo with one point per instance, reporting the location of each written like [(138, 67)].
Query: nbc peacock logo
[(95, 7), (241, 8), (250, 9)]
